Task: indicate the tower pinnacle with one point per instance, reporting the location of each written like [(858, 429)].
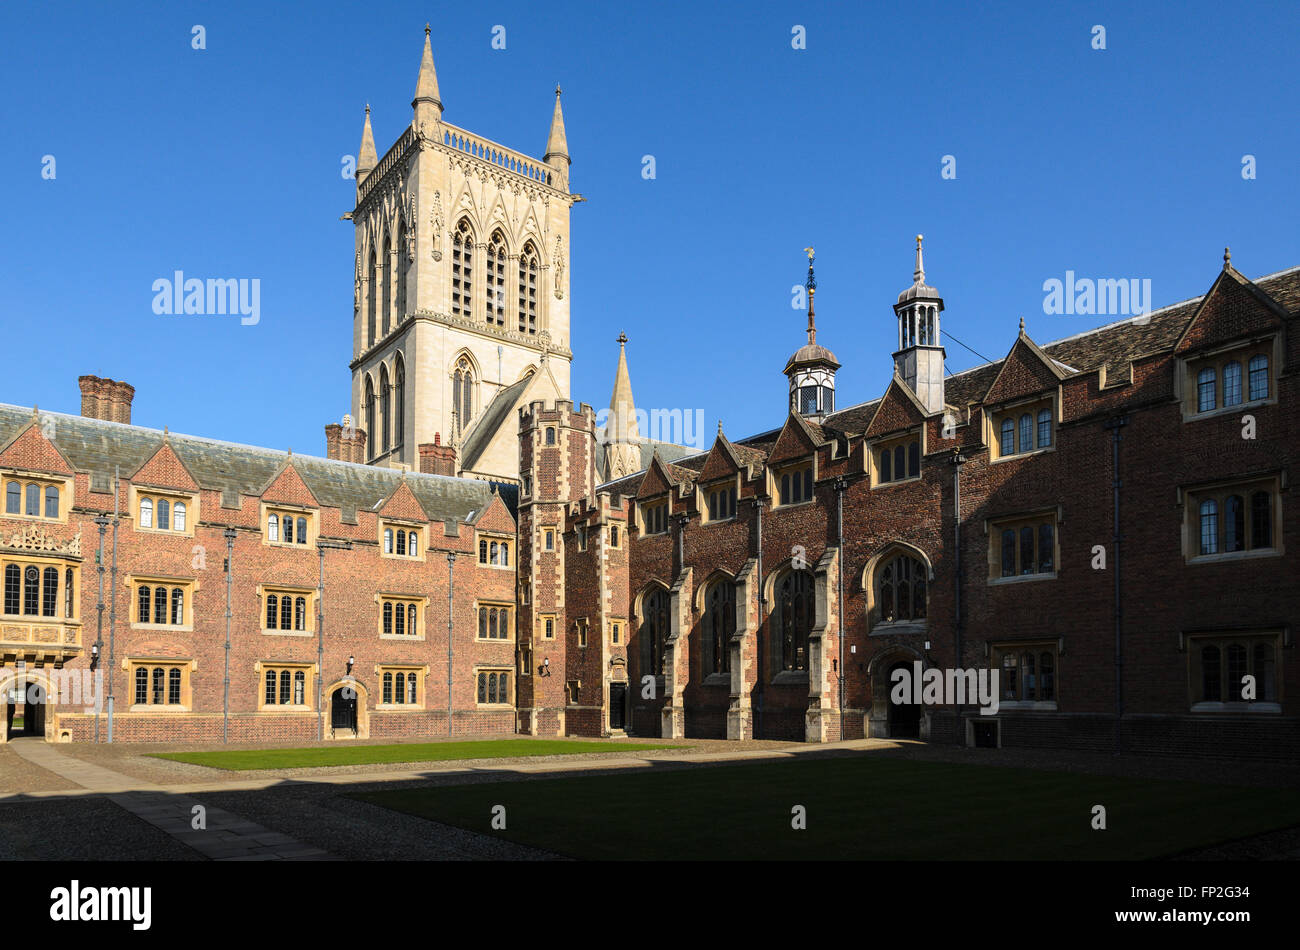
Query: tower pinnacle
[(557, 146), (367, 158), (427, 102)]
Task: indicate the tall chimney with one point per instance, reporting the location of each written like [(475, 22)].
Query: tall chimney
[(106, 399), (436, 458)]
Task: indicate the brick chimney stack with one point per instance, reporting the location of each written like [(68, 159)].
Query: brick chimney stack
[(106, 399), (345, 442), (436, 458)]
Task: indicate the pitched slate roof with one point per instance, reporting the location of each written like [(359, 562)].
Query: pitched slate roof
[(97, 447), (490, 420)]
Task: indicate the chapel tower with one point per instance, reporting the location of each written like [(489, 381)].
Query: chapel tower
[(461, 300)]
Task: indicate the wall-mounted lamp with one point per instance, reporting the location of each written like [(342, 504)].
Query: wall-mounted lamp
[(351, 662), (94, 656)]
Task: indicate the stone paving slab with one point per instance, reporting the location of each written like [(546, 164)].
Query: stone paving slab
[(223, 836)]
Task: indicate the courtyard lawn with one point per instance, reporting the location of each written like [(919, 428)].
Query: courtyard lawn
[(240, 760), (865, 808)]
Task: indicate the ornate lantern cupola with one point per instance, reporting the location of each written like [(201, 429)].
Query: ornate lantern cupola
[(919, 360), (811, 370)]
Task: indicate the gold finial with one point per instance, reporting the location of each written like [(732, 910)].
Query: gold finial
[(809, 252), (919, 239), (367, 108)]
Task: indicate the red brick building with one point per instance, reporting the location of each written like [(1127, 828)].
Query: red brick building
[(1107, 521), (351, 589)]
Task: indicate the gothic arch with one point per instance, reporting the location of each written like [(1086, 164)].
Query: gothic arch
[(464, 353), (719, 574), (886, 554)]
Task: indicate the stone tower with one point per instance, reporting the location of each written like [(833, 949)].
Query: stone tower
[(919, 360), (461, 303)]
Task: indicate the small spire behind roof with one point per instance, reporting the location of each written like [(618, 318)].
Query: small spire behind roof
[(367, 157)]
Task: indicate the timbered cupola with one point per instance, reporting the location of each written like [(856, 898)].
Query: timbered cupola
[(811, 370)]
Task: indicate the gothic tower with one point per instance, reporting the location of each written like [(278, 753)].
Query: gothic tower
[(811, 370), (919, 360), (461, 304)]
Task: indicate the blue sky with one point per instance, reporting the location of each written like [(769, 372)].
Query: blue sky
[(1116, 163)]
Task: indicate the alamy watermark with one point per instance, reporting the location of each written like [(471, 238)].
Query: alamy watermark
[(678, 426), (936, 687), (1087, 297), (214, 296)]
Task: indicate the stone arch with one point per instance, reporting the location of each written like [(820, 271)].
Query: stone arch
[(363, 708), (718, 574), (24, 679), (886, 553), (877, 724)]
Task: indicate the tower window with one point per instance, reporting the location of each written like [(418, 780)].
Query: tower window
[(496, 273), (462, 270), (528, 290)]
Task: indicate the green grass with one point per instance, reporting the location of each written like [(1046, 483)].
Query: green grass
[(239, 760), (865, 808)]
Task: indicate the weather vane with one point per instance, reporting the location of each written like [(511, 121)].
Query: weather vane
[(811, 282)]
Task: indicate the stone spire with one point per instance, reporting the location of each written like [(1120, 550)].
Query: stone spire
[(918, 275), (622, 438), (427, 102), (557, 146), (367, 158)]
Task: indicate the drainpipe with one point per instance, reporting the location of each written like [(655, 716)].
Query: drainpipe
[(957, 461), (762, 613), (102, 523), (840, 485), (1115, 426), (451, 586), (321, 547), (112, 606), (229, 535)]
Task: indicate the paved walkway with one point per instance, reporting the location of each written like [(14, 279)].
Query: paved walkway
[(119, 782), (222, 837)]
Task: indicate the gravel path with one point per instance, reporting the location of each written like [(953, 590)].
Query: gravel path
[(83, 829)]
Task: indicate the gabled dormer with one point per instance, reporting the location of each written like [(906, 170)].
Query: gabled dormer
[(1022, 405), (792, 463), (37, 478), (289, 509), (164, 495), (654, 497), (1229, 354), (896, 436)]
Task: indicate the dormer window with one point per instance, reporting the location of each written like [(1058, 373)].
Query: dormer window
[(288, 527), (33, 499), (795, 485), (1022, 429), (654, 518), (898, 459), (1229, 380), (722, 503), (400, 540)]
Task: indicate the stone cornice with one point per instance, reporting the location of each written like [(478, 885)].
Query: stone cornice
[(498, 334)]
